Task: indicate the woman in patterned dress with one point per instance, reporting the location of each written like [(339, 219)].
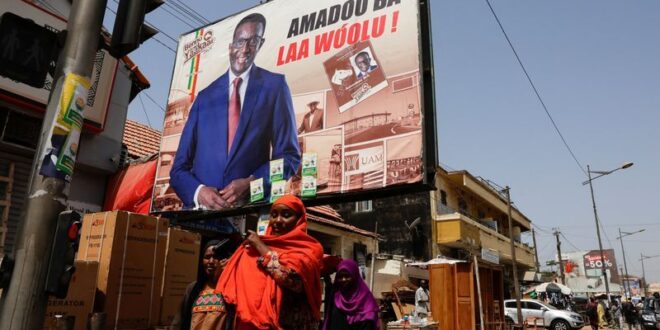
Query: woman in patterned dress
[(202, 308), (273, 281)]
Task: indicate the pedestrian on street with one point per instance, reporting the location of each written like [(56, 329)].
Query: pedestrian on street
[(274, 281), (629, 313), (202, 308), (352, 305), (617, 318), (422, 308), (592, 313), (602, 317)]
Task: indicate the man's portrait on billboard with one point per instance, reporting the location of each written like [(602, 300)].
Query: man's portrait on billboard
[(236, 125)]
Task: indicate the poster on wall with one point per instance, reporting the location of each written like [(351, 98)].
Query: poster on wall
[(339, 80)]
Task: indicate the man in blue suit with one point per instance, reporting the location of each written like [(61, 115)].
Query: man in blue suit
[(236, 125)]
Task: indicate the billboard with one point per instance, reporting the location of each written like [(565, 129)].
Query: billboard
[(314, 98), (593, 266), (632, 286)]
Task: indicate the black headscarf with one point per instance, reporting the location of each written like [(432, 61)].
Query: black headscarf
[(222, 249)]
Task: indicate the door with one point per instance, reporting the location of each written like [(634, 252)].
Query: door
[(535, 310)]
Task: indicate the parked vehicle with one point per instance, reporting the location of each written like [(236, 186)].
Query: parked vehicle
[(651, 314), (545, 315)]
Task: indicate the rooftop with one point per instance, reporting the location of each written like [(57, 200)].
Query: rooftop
[(141, 140)]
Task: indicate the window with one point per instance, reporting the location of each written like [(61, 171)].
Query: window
[(443, 197), (22, 130), (462, 206), (510, 304), (531, 305), (364, 206), (481, 214)]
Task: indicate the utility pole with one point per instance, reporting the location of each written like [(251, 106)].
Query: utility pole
[(516, 285), (600, 242), (641, 258), (561, 262), (626, 282), (24, 301), (536, 252)]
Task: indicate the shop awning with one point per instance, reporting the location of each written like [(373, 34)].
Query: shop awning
[(130, 189)]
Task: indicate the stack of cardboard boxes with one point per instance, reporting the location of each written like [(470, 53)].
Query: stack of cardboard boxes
[(133, 268)]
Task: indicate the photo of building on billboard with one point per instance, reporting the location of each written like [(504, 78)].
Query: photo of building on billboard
[(255, 93)]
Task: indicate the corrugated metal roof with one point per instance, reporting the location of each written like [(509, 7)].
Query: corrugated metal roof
[(327, 215), (326, 211), (141, 140)]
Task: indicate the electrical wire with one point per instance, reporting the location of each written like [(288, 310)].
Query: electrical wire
[(151, 24), (602, 229), (569, 242), (178, 8), (154, 38), (154, 101), (538, 95), (177, 17), (164, 45), (192, 10), (145, 110)]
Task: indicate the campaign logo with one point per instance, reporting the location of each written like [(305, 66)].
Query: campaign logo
[(201, 44)]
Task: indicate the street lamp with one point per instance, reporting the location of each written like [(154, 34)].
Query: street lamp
[(642, 257), (593, 202), (622, 234)]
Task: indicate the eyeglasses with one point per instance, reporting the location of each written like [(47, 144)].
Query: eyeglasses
[(252, 42)]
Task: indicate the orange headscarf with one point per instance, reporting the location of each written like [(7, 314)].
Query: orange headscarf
[(256, 295)]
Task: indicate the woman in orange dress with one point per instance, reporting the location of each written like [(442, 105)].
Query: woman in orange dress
[(273, 281)]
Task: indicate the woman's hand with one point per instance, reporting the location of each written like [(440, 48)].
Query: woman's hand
[(255, 241)]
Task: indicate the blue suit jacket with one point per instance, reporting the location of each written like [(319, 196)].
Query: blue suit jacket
[(267, 121)]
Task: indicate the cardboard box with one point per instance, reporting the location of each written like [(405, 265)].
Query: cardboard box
[(79, 301), (181, 265), (130, 249)]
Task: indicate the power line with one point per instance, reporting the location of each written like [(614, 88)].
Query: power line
[(538, 95), (164, 45), (600, 223), (152, 100), (163, 32), (154, 38), (154, 25), (569, 242), (177, 17), (145, 110), (192, 10), (177, 7)]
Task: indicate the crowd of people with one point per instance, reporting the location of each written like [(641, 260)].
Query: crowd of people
[(619, 314), (274, 282)]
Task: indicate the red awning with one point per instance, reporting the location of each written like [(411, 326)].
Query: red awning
[(130, 190)]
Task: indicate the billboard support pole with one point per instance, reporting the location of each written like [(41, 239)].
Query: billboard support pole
[(24, 301)]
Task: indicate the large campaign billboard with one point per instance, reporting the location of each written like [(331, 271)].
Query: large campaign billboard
[(314, 98)]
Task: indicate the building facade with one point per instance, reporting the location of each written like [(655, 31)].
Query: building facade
[(464, 216), (22, 108)]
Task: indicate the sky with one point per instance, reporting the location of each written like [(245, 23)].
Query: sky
[(595, 66)]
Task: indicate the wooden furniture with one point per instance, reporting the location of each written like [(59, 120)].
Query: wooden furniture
[(454, 301)]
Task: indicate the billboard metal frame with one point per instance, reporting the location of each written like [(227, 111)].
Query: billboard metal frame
[(429, 138)]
